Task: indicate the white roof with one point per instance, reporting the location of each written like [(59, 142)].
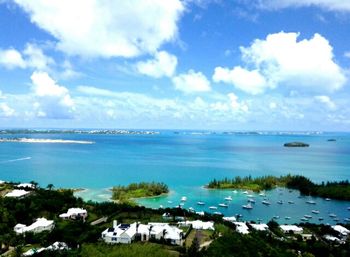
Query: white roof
[(293, 228), (2, 182), (198, 224), (331, 238), (131, 231), (143, 229), (200, 213), (341, 230), (261, 227), (241, 227), (57, 246), (17, 193), (40, 222), (26, 185), (230, 219), (72, 212)]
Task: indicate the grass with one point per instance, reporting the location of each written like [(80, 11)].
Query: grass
[(202, 235)]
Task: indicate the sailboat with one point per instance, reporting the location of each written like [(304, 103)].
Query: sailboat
[(247, 206)]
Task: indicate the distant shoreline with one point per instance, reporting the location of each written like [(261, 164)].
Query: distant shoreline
[(45, 141)]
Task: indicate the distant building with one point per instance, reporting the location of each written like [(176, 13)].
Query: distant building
[(241, 227), (291, 229), (40, 225), (341, 230), (57, 246), (260, 227), (74, 213), (17, 193), (198, 224), (26, 185)]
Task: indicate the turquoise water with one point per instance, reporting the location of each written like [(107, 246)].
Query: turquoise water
[(185, 162)]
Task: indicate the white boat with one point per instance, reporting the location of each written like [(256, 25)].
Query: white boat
[(181, 204), (310, 202), (234, 191), (262, 194), (201, 203), (247, 206), (276, 217), (250, 200), (183, 199), (336, 219), (290, 202), (315, 211), (304, 219), (308, 216), (266, 202), (250, 196), (347, 219), (327, 199), (280, 202), (229, 198), (287, 218), (223, 205), (161, 206), (245, 192), (170, 201), (332, 215), (217, 213), (191, 209), (213, 208)]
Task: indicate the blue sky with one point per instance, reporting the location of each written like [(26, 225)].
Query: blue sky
[(191, 64)]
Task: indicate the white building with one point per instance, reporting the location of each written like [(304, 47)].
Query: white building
[(260, 227), (291, 228), (26, 185), (40, 225), (341, 230), (126, 234), (74, 213), (17, 193), (198, 224), (241, 227), (230, 219), (57, 246)]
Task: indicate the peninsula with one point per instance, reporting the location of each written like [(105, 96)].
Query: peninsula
[(43, 141), (336, 190)]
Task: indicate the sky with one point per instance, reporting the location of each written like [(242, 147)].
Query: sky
[(175, 64)]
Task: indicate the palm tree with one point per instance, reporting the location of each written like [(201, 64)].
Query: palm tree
[(35, 184), (50, 187)]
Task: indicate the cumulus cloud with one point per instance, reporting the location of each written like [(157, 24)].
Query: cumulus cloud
[(191, 82), (6, 111), (163, 65), (326, 101), (11, 58), (329, 5), (52, 100), (281, 59), (31, 57), (107, 28)]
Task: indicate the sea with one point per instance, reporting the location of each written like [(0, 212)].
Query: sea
[(186, 161)]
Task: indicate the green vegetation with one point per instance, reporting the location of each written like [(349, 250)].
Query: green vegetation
[(296, 144), (336, 190), (138, 190)]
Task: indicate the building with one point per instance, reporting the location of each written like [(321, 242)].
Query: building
[(26, 185), (341, 230), (74, 213), (260, 227), (127, 233), (17, 193), (198, 224), (291, 229), (57, 246), (40, 225), (241, 227)]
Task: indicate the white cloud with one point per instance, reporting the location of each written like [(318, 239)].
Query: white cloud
[(36, 58), (163, 64), (6, 111), (107, 28), (248, 81), (329, 5), (31, 57), (11, 58), (282, 60), (326, 101), (191, 82), (347, 54), (236, 105), (53, 100)]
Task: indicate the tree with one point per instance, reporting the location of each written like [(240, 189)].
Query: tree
[(50, 187)]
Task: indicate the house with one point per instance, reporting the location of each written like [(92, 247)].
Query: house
[(198, 224), (291, 229), (241, 227), (171, 234), (230, 219), (26, 185), (122, 233), (40, 225), (260, 227), (57, 246), (341, 230), (17, 193), (74, 213)]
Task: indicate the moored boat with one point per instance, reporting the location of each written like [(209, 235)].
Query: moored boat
[(223, 205), (200, 203), (228, 198), (266, 202), (315, 211), (247, 206), (213, 208), (311, 202), (183, 199)]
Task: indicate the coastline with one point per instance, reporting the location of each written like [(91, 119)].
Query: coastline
[(46, 141)]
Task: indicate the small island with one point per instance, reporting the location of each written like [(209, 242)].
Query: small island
[(296, 144), (138, 190), (43, 141), (336, 190)]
